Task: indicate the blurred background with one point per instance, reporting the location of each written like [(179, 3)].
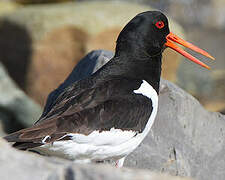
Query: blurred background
[(42, 40)]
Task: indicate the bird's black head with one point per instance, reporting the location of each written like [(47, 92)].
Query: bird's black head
[(145, 33), (148, 34)]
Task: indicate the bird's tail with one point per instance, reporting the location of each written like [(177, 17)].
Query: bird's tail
[(19, 143)]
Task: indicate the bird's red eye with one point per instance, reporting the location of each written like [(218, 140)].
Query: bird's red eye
[(160, 24)]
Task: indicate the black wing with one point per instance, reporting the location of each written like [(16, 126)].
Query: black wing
[(81, 109)]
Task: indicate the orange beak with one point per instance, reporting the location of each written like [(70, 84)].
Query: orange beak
[(173, 38)]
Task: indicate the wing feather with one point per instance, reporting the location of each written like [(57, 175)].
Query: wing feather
[(101, 108)]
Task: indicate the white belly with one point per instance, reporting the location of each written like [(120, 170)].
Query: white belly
[(113, 144)]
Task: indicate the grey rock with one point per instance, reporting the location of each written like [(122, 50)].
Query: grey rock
[(25, 166), (202, 12), (200, 82), (2, 133), (185, 140), (16, 109)]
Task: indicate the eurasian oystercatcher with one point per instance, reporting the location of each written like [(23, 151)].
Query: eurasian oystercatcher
[(108, 114)]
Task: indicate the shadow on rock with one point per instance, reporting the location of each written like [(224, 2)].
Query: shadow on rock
[(15, 50), (9, 121)]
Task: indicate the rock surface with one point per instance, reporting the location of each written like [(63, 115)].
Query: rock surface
[(203, 83), (25, 166), (39, 1), (55, 36), (54, 57), (16, 109), (202, 12), (7, 7), (2, 132), (190, 12)]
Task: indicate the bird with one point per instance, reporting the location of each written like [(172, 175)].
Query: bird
[(107, 114)]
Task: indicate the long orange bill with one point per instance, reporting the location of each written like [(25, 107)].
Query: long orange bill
[(171, 38)]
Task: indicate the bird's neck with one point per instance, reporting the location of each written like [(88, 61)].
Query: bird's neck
[(135, 67), (150, 71)]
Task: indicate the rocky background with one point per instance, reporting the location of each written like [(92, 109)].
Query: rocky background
[(41, 42)]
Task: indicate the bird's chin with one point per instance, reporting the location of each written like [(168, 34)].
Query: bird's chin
[(155, 51)]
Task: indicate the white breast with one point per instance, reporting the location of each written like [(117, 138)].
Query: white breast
[(112, 144), (147, 90)]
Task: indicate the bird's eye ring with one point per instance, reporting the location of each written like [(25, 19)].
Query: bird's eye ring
[(160, 24)]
